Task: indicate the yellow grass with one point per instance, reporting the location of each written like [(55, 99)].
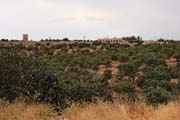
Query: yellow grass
[(100, 111), (106, 111), (22, 111)]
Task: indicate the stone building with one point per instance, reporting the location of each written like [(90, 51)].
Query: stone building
[(25, 38), (113, 40)]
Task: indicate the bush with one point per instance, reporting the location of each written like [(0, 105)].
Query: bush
[(35, 81), (123, 58), (127, 69), (124, 87), (79, 86), (96, 43), (126, 91), (65, 39), (108, 74), (156, 96), (25, 77), (157, 76)]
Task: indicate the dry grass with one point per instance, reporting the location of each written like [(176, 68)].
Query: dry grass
[(100, 111), (22, 111), (106, 111)]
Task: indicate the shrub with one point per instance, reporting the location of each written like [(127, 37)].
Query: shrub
[(126, 91), (25, 77), (127, 69), (123, 58), (65, 39), (124, 87), (157, 76), (108, 74), (96, 43), (156, 95)]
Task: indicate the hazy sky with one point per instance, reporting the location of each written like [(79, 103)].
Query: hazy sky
[(150, 19)]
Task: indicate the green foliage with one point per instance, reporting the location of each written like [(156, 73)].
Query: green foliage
[(126, 91), (133, 39), (65, 39), (96, 43), (26, 77), (123, 58), (157, 95), (36, 81), (175, 71), (108, 74), (127, 70), (124, 87), (67, 72), (158, 75), (156, 85)]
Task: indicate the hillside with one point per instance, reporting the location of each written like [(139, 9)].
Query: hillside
[(63, 74)]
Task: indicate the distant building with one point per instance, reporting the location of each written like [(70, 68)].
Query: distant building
[(25, 38), (146, 42), (113, 40)]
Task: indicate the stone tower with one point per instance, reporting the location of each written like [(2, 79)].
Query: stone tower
[(25, 38)]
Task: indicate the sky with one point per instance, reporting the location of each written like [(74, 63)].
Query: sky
[(151, 19)]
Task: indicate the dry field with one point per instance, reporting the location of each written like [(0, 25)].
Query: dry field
[(21, 111), (100, 111), (105, 111)]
